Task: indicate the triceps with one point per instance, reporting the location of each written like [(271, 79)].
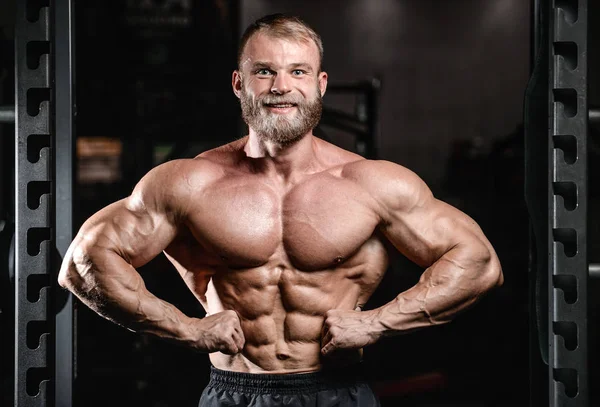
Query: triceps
[(137, 234), (100, 277)]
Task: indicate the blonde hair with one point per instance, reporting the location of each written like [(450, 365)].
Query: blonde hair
[(281, 26)]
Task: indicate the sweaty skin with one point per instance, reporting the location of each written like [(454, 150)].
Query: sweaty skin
[(282, 246)]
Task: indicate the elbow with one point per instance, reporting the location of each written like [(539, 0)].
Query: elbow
[(68, 282), (67, 277), (500, 275), (75, 261), (67, 274), (491, 276), (63, 280)]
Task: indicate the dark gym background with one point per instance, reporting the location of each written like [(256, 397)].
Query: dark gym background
[(153, 83)]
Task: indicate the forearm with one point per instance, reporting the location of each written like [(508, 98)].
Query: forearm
[(110, 286), (449, 286)]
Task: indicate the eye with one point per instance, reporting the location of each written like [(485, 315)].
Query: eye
[(263, 71), (298, 72)]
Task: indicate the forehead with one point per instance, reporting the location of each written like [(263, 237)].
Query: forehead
[(280, 51)]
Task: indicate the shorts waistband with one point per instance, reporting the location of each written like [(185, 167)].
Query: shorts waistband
[(293, 383)]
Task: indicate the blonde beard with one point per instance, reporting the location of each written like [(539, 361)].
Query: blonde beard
[(276, 128)]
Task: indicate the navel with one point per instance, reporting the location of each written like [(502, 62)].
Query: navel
[(282, 356)]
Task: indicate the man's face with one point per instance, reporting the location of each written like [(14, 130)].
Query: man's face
[(280, 87)]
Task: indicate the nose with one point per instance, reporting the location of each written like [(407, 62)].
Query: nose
[(280, 85)]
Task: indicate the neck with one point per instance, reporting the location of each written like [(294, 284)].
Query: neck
[(284, 160)]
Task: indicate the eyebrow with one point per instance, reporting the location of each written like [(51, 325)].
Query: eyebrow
[(261, 64), (301, 65)]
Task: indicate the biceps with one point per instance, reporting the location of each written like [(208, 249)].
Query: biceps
[(425, 234), (136, 235)]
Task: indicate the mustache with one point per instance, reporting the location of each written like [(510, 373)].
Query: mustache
[(272, 100)]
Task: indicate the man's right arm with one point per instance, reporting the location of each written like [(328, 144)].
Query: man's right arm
[(100, 264)]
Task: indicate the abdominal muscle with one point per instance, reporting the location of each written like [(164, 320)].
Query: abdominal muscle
[(281, 311)]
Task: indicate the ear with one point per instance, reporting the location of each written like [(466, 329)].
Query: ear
[(323, 82), (236, 83)]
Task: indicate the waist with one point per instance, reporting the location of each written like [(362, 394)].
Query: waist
[(293, 383), (283, 358)]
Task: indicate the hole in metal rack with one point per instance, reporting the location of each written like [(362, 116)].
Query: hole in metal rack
[(568, 377), (568, 145), (568, 99), (568, 331), (35, 50), (35, 190), (35, 237), (35, 330), (35, 97), (568, 238), (568, 285), (568, 192), (33, 9), (35, 283), (35, 144), (567, 50), (570, 9), (35, 377)]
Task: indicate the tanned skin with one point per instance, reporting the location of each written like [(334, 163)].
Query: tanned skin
[(281, 244)]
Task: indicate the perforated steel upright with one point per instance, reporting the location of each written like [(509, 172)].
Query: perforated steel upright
[(34, 321), (44, 116), (567, 204)]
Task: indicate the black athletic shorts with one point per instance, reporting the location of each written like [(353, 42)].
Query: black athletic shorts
[(339, 388)]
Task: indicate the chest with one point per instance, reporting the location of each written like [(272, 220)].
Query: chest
[(314, 225)]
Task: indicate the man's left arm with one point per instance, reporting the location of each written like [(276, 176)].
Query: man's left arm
[(460, 263)]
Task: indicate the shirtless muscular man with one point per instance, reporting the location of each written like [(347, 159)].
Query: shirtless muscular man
[(279, 235)]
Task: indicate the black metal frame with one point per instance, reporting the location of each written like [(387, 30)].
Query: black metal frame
[(364, 122), (33, 206), (43, 201), (556, 117), (567, 204), (64, 135)]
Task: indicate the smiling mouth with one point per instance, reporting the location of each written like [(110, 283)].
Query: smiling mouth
[(280, 105)]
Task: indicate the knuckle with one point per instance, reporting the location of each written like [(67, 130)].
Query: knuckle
[(228, 346), (233, 317)]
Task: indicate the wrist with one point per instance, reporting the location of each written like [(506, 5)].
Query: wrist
[(383, 323), (188, 331)]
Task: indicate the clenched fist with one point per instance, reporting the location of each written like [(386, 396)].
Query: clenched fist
[(343, 329), (220, 332)]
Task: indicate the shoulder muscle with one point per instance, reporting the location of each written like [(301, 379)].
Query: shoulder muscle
[(394, 187), (168, 188)]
